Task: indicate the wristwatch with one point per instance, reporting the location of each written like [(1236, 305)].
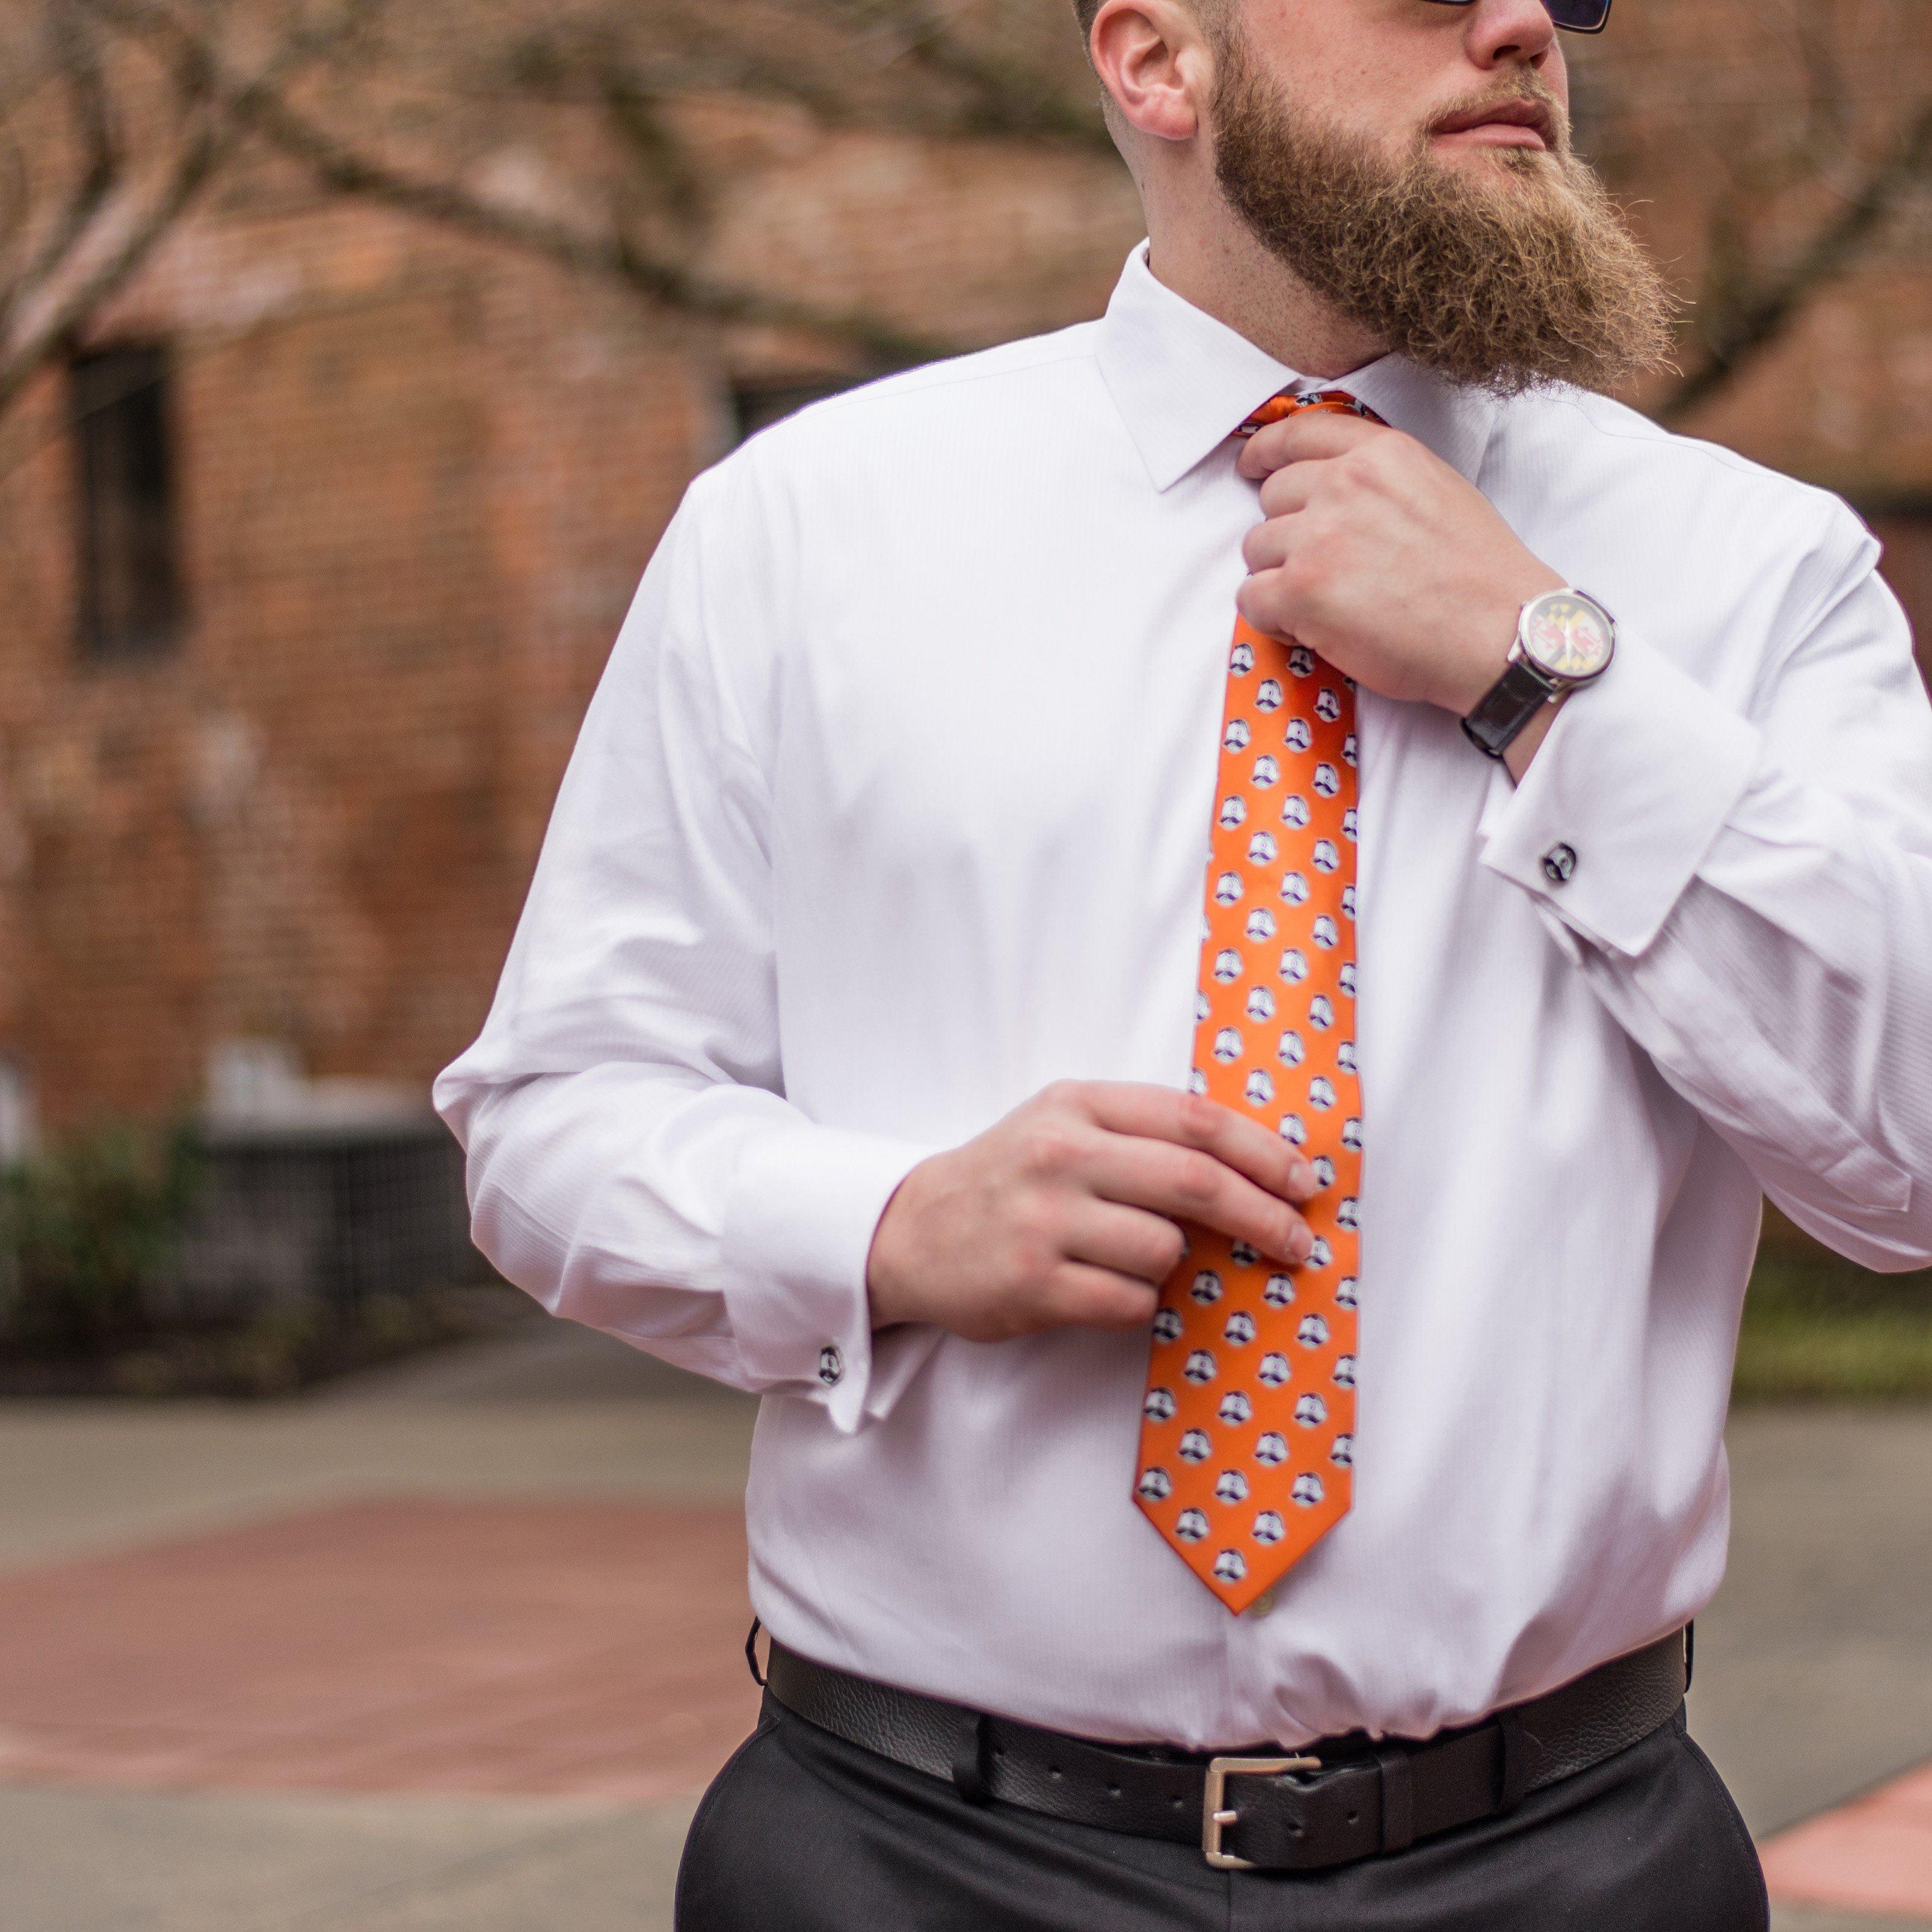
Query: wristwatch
[(1564, 639)]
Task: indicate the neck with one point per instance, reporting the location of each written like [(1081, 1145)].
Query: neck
[(1211, 259)]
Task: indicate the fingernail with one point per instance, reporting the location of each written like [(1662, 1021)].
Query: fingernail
[(1301, 1179), (1301, 1245)]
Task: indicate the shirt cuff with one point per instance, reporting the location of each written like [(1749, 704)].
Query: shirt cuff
[(797, 1233), (1623, 799)]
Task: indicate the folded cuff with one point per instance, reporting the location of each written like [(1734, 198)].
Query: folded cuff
[(797, 1234), (1623, 799)]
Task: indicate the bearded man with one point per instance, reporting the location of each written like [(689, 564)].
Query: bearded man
[(964, 945)]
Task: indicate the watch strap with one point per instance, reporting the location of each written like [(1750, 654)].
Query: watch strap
[(1509, 705)]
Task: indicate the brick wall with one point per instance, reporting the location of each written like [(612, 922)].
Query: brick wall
[(419, 478)]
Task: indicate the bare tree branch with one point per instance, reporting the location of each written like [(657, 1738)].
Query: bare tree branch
[(635, 115), (1760, 315), (17, 194), (128, 225), (345, 169), (78, 59), (1010, 96), (1806, 122)]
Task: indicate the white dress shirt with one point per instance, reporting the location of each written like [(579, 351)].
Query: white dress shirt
[(893, 806)]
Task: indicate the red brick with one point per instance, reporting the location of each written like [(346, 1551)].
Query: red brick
[(511, 1647)]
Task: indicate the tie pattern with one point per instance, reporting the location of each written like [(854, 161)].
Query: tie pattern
[(1247, 1434)]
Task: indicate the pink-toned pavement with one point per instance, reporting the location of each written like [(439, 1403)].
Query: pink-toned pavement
[(1874, 1854), (594, 1649), (458, 1646)]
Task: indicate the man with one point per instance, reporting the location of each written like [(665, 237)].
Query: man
[(953, 956)]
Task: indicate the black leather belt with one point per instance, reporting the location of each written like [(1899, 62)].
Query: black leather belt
[(1326, 1803)]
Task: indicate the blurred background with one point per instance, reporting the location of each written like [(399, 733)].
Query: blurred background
[(353, 356)]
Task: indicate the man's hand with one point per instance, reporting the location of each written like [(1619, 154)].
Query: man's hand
[(1066, 1212), (1384, 560)]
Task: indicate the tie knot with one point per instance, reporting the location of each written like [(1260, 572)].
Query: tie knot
[(1336, 402)]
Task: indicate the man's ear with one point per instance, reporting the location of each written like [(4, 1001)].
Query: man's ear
[(1156, 63)]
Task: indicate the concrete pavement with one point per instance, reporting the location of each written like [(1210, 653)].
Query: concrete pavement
[(557, 1412), (1814, 1666), (117, 1861)]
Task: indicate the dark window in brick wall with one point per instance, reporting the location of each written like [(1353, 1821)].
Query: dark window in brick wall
[(756, 405), (130, 583)]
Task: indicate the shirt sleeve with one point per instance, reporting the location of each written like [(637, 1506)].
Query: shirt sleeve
[(633, 1161), (1748, 890)]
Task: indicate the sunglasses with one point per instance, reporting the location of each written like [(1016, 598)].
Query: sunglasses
[(1577, 17)]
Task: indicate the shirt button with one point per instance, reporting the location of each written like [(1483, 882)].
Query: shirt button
[(1262, 1604), (831, 1367), (1558, 862)]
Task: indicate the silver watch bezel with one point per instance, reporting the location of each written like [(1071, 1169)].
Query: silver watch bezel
[(1562, 682)]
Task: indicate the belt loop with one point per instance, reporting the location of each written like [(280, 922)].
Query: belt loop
[(969, 1763), (1515, 1755), (752, 1653), (1690, 1652), (1398, 1783)]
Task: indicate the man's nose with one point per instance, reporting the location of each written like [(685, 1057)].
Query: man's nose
[(1506, 32)]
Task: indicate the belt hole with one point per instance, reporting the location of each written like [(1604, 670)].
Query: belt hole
[(1179, 1804), (1053, 1771), (1113, 1791)]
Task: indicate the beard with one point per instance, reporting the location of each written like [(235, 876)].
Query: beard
[(1503, 284)]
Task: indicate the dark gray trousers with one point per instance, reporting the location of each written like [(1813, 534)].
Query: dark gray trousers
[(803, 1832)]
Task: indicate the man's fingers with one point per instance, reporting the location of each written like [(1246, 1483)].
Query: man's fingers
[(1258, 598), (1307, 433), (1267, 546), (1132, 1241), (1284, 492), (1193, 1120), (1190, 1184), (1078, 1295)]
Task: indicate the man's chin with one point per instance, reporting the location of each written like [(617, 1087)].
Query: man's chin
[(1494, 161), (1498, 265)]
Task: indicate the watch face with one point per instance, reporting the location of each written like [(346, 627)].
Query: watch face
[(1568, 635)]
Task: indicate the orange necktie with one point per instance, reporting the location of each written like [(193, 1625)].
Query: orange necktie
[(1247, 1437)]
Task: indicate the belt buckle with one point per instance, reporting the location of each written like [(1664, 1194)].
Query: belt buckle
[(1215, 1816)]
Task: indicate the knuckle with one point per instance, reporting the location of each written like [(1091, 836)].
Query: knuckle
[(1047, 1148), (1299, 585), (1063, 1295), (1197, 1181), (1034, 1237), (1095, 1302), (1199, 1117), (1031, 1261), (1377, 463)]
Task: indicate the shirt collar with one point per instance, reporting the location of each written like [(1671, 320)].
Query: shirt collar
[(1183, 382)]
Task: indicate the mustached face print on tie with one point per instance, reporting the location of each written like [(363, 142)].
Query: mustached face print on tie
[(1247, 1429)]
